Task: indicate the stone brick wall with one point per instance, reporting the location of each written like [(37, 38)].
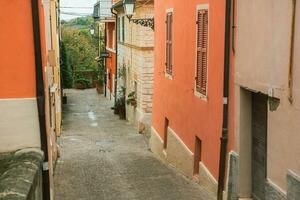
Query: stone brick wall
[(21, 175), (136, 54)]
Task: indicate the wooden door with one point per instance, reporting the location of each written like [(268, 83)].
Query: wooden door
[(259, 145)]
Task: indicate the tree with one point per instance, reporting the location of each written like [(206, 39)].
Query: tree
[(80, 48), (67, 74)]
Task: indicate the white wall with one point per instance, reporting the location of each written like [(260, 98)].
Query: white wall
[(19, 125)]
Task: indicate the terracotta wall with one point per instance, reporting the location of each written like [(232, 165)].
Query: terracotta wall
[(17, 67), (188, 115)]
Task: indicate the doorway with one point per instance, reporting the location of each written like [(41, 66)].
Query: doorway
[(259, 144), (253, 123), (197, 155), (166, 133)]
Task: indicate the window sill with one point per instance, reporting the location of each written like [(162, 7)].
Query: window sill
[(168, 76), (200, 96), (111, 50)]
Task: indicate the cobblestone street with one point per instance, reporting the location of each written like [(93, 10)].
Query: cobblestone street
[(103, 157)]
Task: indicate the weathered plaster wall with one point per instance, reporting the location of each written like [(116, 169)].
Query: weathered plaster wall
[(262, 64), (189, 116), (263, 48)]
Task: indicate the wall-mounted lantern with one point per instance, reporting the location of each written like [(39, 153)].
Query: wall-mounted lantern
[(129, 6)]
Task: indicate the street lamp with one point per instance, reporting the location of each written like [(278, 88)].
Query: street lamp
[(92, 31), (128, 8)]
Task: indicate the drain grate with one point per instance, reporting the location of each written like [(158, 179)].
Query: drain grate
[(105, 150)]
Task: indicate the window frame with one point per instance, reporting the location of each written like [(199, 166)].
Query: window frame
[(196, 92), (118, 25), (169, 75), (123, 29)]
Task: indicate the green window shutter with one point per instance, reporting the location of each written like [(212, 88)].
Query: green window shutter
[(123, 29), (118, 28)]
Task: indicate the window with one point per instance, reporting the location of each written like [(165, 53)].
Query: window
[(197, 155), (123, 29), (166, 133), (118, 29), (169, 40), (57, 16), (202, 51)]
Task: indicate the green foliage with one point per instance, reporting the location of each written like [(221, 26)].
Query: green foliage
[(82, 22), (121, 100), (131, 98), (66, 70), (81, 48), (83, 81), (101, 74)]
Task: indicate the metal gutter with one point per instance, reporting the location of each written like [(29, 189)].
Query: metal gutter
[(224, 137), (117, 5), (116, 64), (40, 95)]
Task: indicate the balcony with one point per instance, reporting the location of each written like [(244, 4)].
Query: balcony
[(102, 10)]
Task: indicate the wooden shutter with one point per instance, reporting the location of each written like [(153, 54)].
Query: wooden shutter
[(202, 50), (169, 38)]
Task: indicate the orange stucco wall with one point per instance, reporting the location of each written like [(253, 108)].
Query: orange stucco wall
[(111, 61), (188, 115), (17, 65), (110, 65)]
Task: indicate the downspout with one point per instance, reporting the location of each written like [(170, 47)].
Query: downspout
[(40, 94), (105, 63), (116, 64), (292, 48), (224, 137)]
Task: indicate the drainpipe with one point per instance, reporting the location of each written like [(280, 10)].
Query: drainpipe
[(116, 64), (292, 48), (224, 137), (105, 64), (40, 94)]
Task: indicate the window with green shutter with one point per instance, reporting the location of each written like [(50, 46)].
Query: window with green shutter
[(118, 28), (123, 29)]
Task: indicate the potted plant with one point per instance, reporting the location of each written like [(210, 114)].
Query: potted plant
[(131, 99), (82, 83), (120, 107), (99, 85), (100, 78)]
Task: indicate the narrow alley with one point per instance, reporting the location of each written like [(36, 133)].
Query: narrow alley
[(103, 157)]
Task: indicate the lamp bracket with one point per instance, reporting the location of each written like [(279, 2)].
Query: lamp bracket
[(149, 22)]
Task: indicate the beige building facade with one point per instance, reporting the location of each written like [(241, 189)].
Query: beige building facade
[(136, 63), (267, 85)]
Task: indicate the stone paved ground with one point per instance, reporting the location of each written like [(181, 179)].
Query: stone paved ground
[(103, 157)]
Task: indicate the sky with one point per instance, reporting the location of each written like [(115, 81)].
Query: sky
[(76, 3)]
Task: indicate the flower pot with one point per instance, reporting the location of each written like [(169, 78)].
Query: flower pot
[(133, 103), (99, 89), (65, 99), (95, 83), (122, 113)]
